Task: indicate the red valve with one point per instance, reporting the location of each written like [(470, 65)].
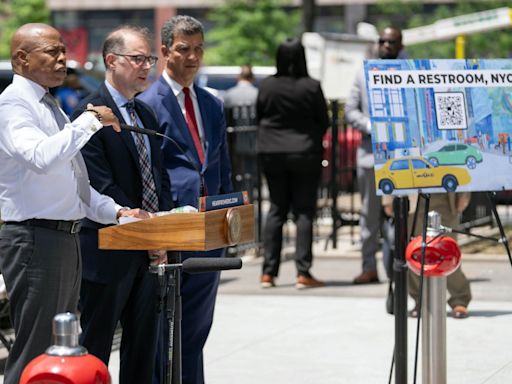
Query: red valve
[(46, 369), (65, 362), (442, 256)]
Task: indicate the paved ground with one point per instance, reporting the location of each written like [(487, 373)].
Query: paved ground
[(341, 333)]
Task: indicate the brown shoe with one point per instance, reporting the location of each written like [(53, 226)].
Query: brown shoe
[(267, 281), (367, 278), (304, 282), (459, 312)]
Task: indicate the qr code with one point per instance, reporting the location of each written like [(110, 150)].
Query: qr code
[(451, 110)]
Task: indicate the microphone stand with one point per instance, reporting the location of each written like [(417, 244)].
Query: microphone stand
[(169, 277)]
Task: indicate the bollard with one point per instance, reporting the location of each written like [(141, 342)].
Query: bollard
[(442, 257)]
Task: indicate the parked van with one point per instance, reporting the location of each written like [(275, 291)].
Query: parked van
[(222, 78)]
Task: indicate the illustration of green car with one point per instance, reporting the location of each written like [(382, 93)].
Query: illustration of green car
[(455, 154)]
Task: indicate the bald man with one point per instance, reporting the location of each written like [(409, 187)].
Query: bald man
[(44, 192)]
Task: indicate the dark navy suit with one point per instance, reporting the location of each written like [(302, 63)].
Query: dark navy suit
[(116, 285), (198, 291)]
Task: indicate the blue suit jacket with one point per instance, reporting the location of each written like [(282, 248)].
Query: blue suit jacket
[(216, 168), (114, 170)]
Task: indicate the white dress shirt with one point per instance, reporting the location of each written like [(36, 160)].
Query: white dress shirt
[(36, 176), (177, 89)]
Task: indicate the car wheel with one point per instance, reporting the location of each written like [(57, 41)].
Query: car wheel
[(433, 161), (450, 183), (386, 186), (471, 162)]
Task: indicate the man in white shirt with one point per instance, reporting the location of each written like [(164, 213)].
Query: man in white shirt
[(44, 193)]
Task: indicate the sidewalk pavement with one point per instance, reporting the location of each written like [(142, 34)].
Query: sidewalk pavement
[(341, 333)]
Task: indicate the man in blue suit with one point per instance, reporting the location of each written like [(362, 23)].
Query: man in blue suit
[(117, 285), (194, 118)]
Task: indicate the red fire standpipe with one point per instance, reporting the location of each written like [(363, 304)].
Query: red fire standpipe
[(65, 362), (442, 257)]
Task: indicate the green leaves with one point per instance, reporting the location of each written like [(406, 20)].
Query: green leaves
[(16, 13), (249, 32), (491, 44)]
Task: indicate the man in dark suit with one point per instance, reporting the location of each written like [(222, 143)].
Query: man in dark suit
[(195, 119), (117, 285)]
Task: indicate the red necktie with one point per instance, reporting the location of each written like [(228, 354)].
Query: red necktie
[(190, 117)]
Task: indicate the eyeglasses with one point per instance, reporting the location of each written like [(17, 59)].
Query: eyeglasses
[(140, 59), (389, 41)]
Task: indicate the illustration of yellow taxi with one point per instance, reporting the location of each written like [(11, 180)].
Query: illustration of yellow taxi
[(416, 172)]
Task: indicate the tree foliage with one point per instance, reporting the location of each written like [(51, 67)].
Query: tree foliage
[(249, 31), (410, 14), (15, 13)]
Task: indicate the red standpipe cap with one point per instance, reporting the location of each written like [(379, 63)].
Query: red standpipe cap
[(442, 256)]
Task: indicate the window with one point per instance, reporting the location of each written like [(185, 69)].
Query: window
[(399, 132), (399, 165), (396, 103), (378, 103), (418, 164), (381, 132)]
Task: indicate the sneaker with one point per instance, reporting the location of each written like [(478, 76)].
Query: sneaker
[(369, 277), (267, 281), (304, 282)]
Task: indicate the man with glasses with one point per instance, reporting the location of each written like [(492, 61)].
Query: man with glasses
[(357, 116), (117, 285), (195, 119)]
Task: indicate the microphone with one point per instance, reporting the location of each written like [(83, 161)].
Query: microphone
[(200, 265), (144, 131), (192, 163), (211, 264)]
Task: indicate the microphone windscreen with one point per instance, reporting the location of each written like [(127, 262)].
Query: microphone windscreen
[(211, 264)]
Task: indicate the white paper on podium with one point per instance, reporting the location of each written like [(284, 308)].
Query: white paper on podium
[(184, 209)]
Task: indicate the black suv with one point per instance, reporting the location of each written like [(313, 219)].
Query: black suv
[(5, 74)]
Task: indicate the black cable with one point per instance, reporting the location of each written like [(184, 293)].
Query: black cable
[(392, 366)]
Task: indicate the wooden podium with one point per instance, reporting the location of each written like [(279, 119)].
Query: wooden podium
[(198, 231)]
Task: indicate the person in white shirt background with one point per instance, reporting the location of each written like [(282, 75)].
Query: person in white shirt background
[(44, 192)]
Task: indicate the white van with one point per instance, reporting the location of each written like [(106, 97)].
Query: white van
[(222, 78)]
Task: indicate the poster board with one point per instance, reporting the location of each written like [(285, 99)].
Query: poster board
[(441, 125)]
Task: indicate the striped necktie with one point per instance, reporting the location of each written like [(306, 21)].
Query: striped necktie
[(77, 162), (149, 196)]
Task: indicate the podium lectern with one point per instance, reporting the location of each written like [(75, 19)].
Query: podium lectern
[(198, 231)]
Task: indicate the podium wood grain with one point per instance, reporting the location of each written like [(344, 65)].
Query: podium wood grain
[(200, 231)]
